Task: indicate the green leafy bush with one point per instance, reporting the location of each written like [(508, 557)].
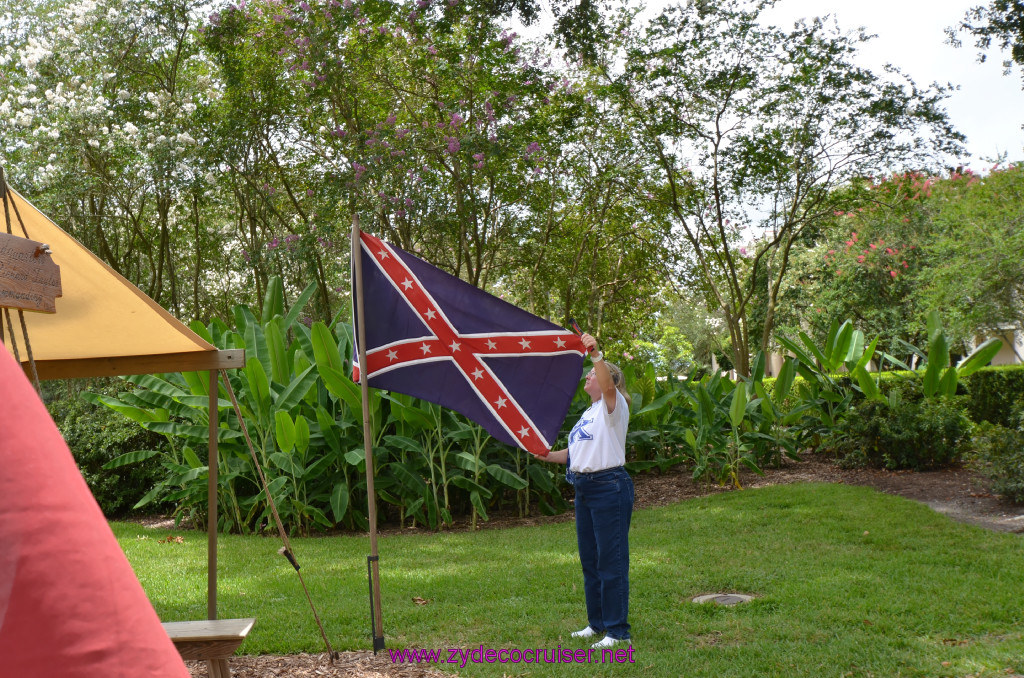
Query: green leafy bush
[(994, 390), (920, 435), (97, 435), (999, 456)]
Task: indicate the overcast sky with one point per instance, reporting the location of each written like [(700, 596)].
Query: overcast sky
[(988, 107)]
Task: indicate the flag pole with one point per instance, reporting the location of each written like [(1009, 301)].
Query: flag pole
[(372, 561)]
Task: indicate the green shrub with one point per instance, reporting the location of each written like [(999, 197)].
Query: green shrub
[(97, 435), (908, 435), (994, 390), (998, 453)]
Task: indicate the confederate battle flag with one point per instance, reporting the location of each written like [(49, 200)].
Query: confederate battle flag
[(432, 336)]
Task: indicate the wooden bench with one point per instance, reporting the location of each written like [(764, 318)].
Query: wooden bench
[(213, 640)]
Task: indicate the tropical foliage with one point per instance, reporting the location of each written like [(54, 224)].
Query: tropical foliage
[(303, 415)]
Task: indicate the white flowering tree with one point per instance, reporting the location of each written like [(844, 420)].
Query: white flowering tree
[(101, 103)]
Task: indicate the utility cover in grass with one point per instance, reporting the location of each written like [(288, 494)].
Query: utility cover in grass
[(723, 598)]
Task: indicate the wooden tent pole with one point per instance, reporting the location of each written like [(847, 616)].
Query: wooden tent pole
[(377, 625), (211, 503)]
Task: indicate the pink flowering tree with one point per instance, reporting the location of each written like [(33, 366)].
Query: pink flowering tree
[(416, 117), (911, 244), (448, 136)]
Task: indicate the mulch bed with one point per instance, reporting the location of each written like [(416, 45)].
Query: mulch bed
[(348, 665)]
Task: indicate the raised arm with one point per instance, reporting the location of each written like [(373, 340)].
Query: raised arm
[(601, 373)]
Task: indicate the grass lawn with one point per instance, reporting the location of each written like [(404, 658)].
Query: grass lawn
[(848, 582)]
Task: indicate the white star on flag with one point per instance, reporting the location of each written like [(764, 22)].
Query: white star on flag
[(425, 348), (392, 354), (560, 343), (477, 373), (523, 432), (524, 343), (455, 346), (407, 283), (491, 345), (431, 314), (383, 255), (500, 403)]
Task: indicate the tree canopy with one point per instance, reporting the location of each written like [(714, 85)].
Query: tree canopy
[(750, 129), (201, 148)]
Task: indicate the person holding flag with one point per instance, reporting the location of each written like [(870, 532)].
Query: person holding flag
[(595, 461), (428, 334)]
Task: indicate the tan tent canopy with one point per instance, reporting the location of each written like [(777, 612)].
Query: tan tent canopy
[(104, 325)]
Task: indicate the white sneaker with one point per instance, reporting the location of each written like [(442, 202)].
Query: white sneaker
[(584, 633), (608, 641)]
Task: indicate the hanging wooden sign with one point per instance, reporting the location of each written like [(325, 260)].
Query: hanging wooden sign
[(29, 279)]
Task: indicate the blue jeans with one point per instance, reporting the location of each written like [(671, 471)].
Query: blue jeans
[(604, 507)]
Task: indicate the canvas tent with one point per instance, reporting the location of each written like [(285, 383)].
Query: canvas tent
[(105, 326)]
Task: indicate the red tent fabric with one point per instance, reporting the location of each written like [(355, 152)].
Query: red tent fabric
[(70, 605)]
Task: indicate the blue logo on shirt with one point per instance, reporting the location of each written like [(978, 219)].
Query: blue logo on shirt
[(579, 433)]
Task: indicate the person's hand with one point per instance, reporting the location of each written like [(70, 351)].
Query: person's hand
[(589, 343)]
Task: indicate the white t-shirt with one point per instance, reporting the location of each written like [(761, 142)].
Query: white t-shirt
[(598, 440)]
